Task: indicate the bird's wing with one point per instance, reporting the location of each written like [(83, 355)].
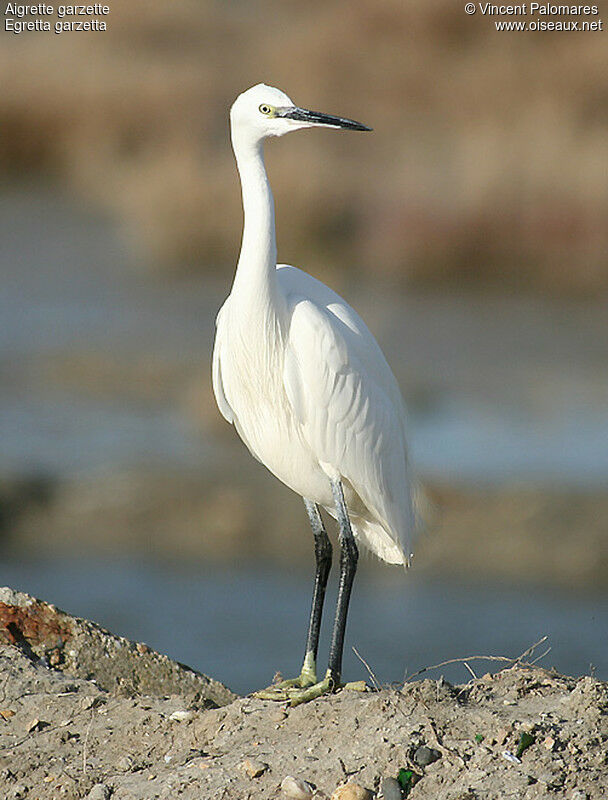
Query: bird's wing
[(347, 401), (218, 386)]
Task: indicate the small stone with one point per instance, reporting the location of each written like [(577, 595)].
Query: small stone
[(278, 715), (549, 743), (142, 648), (99, 792), (390, 789), (351, 791), (501, 736), (426, 755), (37, 725), (125, 764), (254, 768), (182, 715), (296, 788)]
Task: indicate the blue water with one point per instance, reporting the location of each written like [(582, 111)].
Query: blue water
[(498, 388), (240, 626)]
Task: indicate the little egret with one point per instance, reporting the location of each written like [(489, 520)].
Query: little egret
[(304, 382)]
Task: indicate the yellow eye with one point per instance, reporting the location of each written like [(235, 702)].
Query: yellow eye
[(264, 109)]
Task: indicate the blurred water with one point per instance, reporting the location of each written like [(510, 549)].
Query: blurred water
[(498, 388), (242, 625)]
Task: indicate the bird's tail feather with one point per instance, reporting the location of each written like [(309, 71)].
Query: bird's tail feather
[(388, 547), (375, 538)]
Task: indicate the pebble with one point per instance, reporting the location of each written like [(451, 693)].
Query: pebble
[(390, 789), (296, 788), (501, 736), (426, 755), (125, 764), (99, 792), (37, 725), (182, 716), (351, 791), (254, 768)]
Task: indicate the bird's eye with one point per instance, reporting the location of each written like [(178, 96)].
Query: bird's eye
[(264, 109)]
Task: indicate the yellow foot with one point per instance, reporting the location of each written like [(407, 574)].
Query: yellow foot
[(326, 686), (296, 690), (280, 691), (305, 695), (303, 689)]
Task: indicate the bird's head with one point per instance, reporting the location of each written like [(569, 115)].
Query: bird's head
[(265, 111)]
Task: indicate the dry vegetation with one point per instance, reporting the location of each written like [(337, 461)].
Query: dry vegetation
[(487, 163)]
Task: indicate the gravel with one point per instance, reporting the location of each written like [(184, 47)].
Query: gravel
[(135, 745)]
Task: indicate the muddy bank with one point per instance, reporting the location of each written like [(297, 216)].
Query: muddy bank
[(520, 534), (524, 732)]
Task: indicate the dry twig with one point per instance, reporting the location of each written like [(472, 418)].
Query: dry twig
[(368, 668), (86, 742), (502, 659)]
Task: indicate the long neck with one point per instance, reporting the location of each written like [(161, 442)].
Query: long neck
[(255, 273)]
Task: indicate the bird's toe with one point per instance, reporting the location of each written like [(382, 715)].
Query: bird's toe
[(282, 690)]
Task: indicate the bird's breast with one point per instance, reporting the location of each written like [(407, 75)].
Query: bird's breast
[(252, 378)]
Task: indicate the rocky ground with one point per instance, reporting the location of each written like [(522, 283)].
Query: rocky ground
[(85, 714)]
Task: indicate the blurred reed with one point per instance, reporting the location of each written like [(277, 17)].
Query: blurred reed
[(487, 166)]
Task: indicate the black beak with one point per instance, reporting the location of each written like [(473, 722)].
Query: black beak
[(317, 118)]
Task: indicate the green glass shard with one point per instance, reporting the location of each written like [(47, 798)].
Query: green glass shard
[(525, 740), (404, 779)]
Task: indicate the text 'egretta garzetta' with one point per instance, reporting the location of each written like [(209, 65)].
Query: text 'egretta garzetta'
[(304, 382)]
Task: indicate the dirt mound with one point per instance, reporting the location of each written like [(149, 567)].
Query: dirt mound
[(522, 733), (82, 649)]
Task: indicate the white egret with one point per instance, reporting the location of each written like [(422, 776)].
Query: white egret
[(304, 382)]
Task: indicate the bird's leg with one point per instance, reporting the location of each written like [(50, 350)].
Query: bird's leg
[(349, 556), (323, 553)]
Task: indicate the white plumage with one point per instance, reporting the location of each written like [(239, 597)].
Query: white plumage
[(296, 370), (312, 397)]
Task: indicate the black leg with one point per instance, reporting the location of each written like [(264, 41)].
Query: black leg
[(306, 687), (349, 556), (323, 553)]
